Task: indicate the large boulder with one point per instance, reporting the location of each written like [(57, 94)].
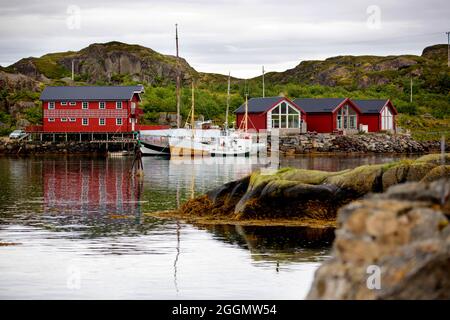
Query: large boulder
[(391, 246), (311, 194)]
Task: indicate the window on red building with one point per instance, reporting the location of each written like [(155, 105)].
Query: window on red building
[(51, 105), (85, 122), (101, 121), (101, 105), (85, 105), (119, 121), (119, 105)]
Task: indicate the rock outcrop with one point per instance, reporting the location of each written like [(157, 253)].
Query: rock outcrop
[(394, 245), (309, 194)]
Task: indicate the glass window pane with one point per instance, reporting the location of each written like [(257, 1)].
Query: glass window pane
[(293, 110), (276, 110), (283, 121), (283, 107), (275, 123)]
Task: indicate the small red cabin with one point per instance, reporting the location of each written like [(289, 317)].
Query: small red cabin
[(270, 113), (377, 114), (326, 115), (91, 108)]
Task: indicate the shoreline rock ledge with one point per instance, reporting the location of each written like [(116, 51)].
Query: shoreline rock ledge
[(394, 245), (308, 194)]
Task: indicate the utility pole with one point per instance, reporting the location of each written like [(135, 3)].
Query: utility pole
[(73, 70), (411, 90), (178, 78), (263, 81), (448, 48)]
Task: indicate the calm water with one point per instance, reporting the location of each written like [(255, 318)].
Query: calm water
[(74, 227)]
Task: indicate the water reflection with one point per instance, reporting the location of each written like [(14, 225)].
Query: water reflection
[(88, 212), (277, 244)]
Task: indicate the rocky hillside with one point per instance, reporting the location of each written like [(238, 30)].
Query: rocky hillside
[(365, 71), (105, 62)]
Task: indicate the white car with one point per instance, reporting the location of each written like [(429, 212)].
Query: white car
[(17, 134)]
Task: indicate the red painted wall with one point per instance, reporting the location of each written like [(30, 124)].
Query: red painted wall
[(93, 113), (257, 121), (320, 122), (372, 120)]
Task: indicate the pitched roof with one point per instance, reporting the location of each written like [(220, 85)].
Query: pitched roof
[(78, 93), (371, 105), (259, 104), (318, 104)]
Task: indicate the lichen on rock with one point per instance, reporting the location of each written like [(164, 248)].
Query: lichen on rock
[(404, 233)]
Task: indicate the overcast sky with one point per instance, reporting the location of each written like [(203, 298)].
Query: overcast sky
[(221, 36)]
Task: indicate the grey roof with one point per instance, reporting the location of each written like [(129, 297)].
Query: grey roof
[(259, 104), (370, 106), (318, 104), (90, 93)]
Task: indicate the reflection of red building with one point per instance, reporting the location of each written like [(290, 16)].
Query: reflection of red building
[(84, 186)]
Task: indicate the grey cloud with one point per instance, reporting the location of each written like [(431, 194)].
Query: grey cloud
[(226, 35)]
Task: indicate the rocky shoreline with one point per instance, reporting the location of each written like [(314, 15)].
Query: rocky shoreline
[(310, 195), (12, 147), (289, 145), (358, 143)]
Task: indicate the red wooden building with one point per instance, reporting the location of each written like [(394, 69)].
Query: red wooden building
[(377, 114), (93, 109), (270, 113), (326, 115)]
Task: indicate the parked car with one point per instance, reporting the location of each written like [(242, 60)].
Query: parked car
[(17, 134)]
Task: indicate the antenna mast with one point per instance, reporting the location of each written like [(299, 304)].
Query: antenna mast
[(263, 82), (178, 78), (448, 48)]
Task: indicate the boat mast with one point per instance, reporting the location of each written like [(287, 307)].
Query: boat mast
[(178, 78), (228, 104), (193, 110), (246, 113)]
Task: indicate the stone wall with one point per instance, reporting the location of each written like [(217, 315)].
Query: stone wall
[(363, 143), (38, 147)]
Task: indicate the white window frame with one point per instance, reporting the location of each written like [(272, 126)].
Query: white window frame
[(51, 119), (119, 120), (343, 117), (72, 119), (276, 118), (72, 103), (64, 103), (83, 104), (119, 105), (387, 119), (63, 119), (87, 121), (100, 105), (51, 105), (100, 122)]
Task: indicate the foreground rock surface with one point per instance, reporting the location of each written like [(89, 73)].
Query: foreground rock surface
[(404, 233), (311, 194)]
